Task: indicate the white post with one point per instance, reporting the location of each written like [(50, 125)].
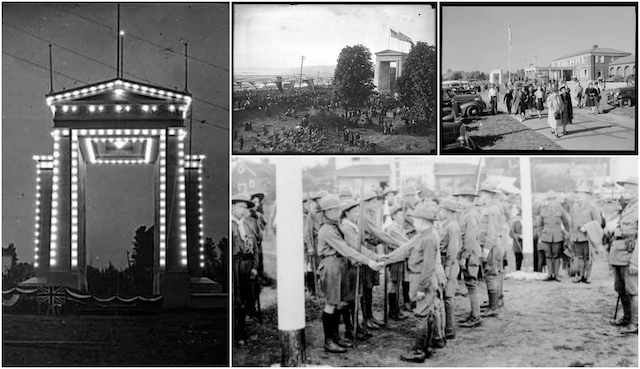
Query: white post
[(290, 253), (527, 205)]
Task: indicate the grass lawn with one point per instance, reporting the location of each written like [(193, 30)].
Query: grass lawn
[(502, 132), (183, 338)]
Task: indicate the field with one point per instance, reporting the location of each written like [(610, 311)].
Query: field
[(264, 129), (184, 338)]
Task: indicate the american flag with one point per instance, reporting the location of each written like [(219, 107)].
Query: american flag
[(51, 295)]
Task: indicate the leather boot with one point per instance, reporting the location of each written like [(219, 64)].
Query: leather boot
[(394, 310), (578, 277), (549, 270), (336, 331), (330, 345), (556, 269), (493, 305), (626, 307), (368, 293), (587, 272), (240, 331), (419, 352), (632, 327), (450, 330), (347, 315), (405, 296)]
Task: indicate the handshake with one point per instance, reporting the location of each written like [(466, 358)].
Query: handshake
[(376, 265)]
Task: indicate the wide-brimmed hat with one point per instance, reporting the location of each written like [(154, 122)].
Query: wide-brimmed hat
[(394, 209), (428, 212), (318, 195), (346, 191), (551, 195), (329, 202), (491, 187), (410, 190), (465, 191), (449, 204), (242, 197), (348, 204), (388, 191), (369, 194), (259, 195), (630, 180), (583, 188)]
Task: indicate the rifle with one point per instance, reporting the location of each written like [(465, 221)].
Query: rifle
[(386, 281), (314, 254), (360, 240), (615, 315)]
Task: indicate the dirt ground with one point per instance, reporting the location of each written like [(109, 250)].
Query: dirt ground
[(547, 324), (170, 339), (385, 144)]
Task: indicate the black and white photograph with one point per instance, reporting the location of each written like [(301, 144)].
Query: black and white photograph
[(115, 184), (438, 261), (334, 78), (539, 77)]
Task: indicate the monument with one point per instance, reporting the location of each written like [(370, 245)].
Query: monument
[(495, 77), (384, 74)]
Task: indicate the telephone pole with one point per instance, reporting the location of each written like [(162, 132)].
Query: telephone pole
[(301, 63)]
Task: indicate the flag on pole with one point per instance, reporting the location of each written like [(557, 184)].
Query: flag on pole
[(400, 36), (510, 38)]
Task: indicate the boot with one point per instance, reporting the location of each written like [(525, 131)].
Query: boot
[(549, 270), (556, 269), (471, 323), (450, 330), (414, 356), (626, 307), (341, 342), (394, 311), (366, 323), (493, 305), (240, 332), (368, 293), (632, 327), (405, 296), (587, 272), (347, 314), (578, 277), (330, 331)]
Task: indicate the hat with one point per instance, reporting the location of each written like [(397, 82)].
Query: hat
[(329, 202), (428, 212), (465, 191), (242, 197), (346, 191), (369, 194), (349, 204), (631, 180), (490, 187), (318, 195), (259, 195), (583, 188), (394, 209), (449, 204), (410, 190), (385, 193), (551, 194)]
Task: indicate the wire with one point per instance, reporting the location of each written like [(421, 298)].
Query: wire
[(149, 42)]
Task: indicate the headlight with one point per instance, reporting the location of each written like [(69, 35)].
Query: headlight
[(616, 92), (461, 140)]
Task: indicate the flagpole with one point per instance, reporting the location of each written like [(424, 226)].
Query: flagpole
[(509, 46), (389, 39)]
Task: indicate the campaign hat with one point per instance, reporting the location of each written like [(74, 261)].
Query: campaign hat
[(242, 197)]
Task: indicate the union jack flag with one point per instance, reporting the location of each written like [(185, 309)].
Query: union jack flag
[(51, 295)]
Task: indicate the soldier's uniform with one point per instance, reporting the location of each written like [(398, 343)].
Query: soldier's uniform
[(245, 259), (492, 220), (397, 270), (470, 253), (421, 253), (622, 256), (311, 225), (450, 243), (582, 214), (552, 218), (409, 200)]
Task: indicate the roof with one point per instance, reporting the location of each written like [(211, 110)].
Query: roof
[(365, 170), (624, 60), (597, 50), (391, 52), (453, 169)]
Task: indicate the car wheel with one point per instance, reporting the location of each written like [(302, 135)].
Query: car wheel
[(625, 102), (473, 111)]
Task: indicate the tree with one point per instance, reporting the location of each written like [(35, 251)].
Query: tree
[(142, 268), (417, 87), (216, 258), (15, 272), (353, 76)]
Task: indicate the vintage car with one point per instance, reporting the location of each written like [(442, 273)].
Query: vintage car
[(455, 137), (615, 79), (469, 105), (623, 96)]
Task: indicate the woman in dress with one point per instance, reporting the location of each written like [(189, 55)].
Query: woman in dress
[(555, 105), (567, 109), (524, 103), (539, 101), (517, 102), (592, 95)]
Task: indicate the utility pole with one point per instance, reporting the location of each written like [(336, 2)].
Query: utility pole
[(301, 63)]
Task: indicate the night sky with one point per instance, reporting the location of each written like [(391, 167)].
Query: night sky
[(119, 198)]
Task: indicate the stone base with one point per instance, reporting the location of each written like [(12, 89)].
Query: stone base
[(174, 287)]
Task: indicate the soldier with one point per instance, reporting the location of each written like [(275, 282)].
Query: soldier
[(470, 251), (583, 212), (373, 237), (257, 218), (410, 199), (397, 270), (552, 218), (312, 223), (245, 264), (389, 199), (421, 253), (623, 257), (334, 252), (490, 237), (450, 242)]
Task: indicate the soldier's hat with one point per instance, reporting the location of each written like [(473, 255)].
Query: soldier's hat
[(329, 202), (243, 197), (369, 194), (388, 191), (410, 190), (583, 188), (428, 212), (551, 195), (394, 209), (258, 195), (630, 180), (348, 205), (346, 191), (318, 195), (491, 187), (449, 204), (466, 191)]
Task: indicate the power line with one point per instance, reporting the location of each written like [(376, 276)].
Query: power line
[(104, 64), (149, 42)]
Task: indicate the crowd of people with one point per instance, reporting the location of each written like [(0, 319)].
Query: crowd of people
[(428, 246)]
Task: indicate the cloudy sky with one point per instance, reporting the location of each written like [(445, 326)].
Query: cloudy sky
[(84, 42), (275, 36), (476, 38)]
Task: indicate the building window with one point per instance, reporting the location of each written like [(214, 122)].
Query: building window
[(584, 60)]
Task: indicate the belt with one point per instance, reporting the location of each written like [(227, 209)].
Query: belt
[(243, 256), (410, 272)]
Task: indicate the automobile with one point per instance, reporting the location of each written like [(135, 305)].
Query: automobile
[(469, 105), (615, 79), (623, 96), (454, 133), (631, 79)]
